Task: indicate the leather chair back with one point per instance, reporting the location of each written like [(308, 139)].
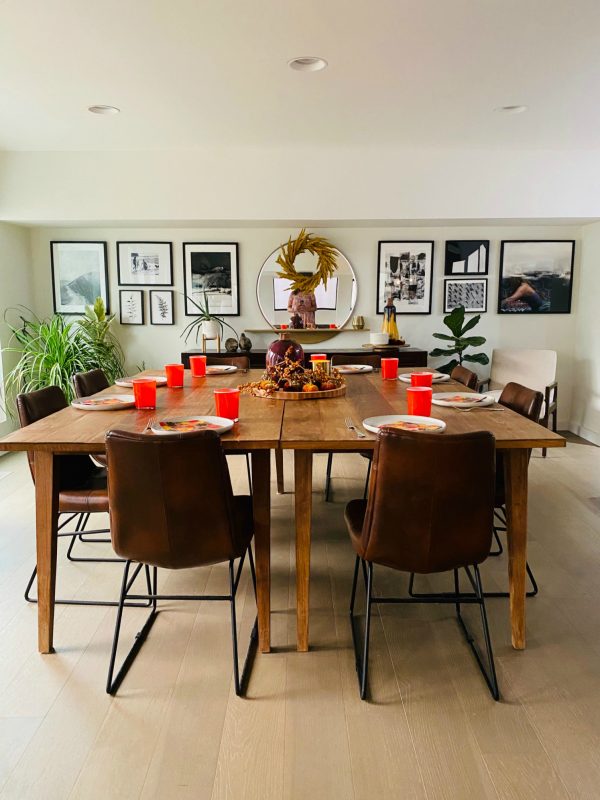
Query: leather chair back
[(526, 402), (241, 362), (74, 470), (88, 383), (170, 497), (370, 359), (465, 376), (431, 500)]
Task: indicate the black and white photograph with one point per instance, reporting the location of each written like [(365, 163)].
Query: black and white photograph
[(404, 274), (467, 257), (211, 268), (536, 277), (161, 307), (472, 294), (145, 263), (131, 307), (79, 275)]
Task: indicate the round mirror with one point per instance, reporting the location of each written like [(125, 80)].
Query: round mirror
[(323, 308)]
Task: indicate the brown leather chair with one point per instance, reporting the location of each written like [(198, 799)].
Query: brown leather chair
[(82, 485), (465, 376), (241, 362), (160, 518), (424, 519), (86, 384)]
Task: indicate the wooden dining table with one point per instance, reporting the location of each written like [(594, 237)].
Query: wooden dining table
[(266, 424)]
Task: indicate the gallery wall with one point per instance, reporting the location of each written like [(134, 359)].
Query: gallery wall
[(156, 345)]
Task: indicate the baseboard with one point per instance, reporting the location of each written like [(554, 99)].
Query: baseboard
[(579, 430)]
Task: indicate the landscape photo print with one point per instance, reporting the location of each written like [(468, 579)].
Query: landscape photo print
[(536, 277), (79, 275), (211, 269)]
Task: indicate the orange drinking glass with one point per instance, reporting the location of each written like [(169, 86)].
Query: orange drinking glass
[(389, 369), (198, 366), (421, 378), (318, 356), (174, 373), (227, 403), (419, 400), (144, 393)]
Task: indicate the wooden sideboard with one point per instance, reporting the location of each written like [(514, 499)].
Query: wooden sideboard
[(407, 356)]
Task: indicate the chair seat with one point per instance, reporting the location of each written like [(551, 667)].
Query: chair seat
[(91, 497), (355, 517)]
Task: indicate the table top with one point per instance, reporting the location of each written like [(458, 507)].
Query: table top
[(266, 423)]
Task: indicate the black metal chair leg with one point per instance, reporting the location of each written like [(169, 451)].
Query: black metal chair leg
[(252, 569), (232, 591), (81, 524), (362, 666), (366, 491), (249, 472), (328, 476)]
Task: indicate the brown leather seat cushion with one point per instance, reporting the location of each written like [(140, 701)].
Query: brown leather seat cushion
[(355, 516)]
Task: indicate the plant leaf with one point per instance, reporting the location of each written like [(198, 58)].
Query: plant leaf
[(471, 341), (447, 368), (445, 337), (477, 358), (439, 352), (470, 324), (455, 320)]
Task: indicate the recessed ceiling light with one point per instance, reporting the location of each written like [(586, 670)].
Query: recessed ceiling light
[(511, 109), (307, 63), (104, 110)]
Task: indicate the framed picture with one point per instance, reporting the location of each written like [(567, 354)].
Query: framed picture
[(211, 267), (472, 294), (404, 273), (131, 307), (145, 263), (536, 277), (467, 257), (79, 275), (161, 307)]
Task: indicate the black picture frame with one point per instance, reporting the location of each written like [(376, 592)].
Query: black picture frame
[(459, 250), (78, 308), (121, 267), (463, 282), (172, 307), (545, 284), (402, 306), (122, 320), (205, 247)]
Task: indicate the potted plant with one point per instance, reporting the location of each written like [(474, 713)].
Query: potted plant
[(455, 322), (205, 323)]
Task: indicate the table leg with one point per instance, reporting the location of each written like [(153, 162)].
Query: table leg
[(516, 464), (46, 522), (261, 491), (303, 462), (279, 469)]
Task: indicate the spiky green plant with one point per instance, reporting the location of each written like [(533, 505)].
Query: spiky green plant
[(455, 322), (204, 315)]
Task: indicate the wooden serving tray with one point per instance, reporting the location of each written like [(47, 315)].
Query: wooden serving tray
[(320, 395)]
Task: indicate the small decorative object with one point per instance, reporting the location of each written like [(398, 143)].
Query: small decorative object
[(296, 322), (131, 307), (389, 321), (379, 338), (472, 294), (278, 349), (307, 243), (231, 345), (304, 305), (404, 274), (211, 270), (206, 324), (245, 343), (79, 275), (358, 323), (147, 263), (289, 379), (536, 277), (455, 321), (161, 307), (467, 257)]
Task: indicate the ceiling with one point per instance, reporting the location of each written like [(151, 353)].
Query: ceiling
[(402, 73)]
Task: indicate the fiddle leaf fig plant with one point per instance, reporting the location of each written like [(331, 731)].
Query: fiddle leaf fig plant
[(455, 322)]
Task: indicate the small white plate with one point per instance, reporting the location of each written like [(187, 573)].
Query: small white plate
[(405, 422), (220, 369), (216, 424), (105, 402), (128, 382), (438, 377), (353, 369), (462, 400)]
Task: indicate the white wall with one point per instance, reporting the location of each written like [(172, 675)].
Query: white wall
[(15, 289), (586, 396), (156, 345)]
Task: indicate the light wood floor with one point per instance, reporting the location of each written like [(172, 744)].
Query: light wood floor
[(177, 730)]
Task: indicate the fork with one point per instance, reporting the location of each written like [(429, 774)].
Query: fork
[(480, 408), (352, 427), (149, 424)]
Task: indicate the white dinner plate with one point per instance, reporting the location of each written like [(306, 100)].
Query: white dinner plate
[(191, 425), (461, 399), (438, 377), (220, 369), (105, 402), (405, 422), (128, 382), (353, 369)]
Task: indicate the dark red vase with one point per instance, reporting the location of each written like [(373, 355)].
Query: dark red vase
[(279, 348)]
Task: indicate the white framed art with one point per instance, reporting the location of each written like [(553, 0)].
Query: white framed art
[(470, 293)]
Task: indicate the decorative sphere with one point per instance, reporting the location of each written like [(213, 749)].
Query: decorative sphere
[(278, 349), (231, 345)]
